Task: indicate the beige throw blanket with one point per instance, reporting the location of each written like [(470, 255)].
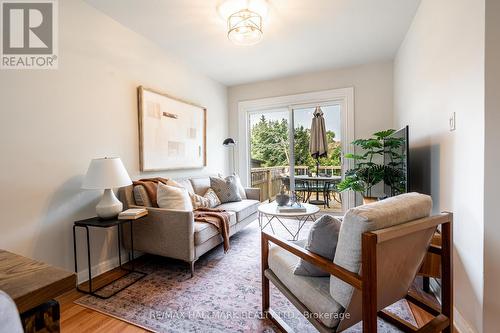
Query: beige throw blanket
[(151, 186), (218, 218)]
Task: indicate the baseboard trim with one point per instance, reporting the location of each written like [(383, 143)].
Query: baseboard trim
[(103, 267), (461, 325)]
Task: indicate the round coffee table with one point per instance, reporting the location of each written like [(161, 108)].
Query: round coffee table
[(269, 213)]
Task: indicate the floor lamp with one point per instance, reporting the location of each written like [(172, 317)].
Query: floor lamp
[(230, 143)]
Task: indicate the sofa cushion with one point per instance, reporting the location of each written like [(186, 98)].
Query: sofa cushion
[(186, 183), (379, 215), (200, 185), (204, 231), (313, 292), (141, 197), (243, 208)]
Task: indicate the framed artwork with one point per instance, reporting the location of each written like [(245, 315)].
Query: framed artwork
[(172, 132)]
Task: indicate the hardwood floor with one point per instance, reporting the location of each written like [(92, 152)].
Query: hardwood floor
[(76, 318)]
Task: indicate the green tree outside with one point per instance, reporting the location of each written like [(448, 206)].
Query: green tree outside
[(269, 144)]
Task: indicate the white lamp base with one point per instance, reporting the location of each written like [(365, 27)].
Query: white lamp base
[(109, 207)]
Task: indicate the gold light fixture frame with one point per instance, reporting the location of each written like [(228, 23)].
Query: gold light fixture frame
[(245, 20)]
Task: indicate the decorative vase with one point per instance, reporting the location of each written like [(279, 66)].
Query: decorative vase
[(282, 198), (369, 200)]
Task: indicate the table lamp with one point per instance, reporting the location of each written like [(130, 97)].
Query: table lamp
[(106, 174)]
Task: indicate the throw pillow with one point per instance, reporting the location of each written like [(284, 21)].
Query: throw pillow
[(196, 200), (225, 188), (141, 197), (213, 199), (241, 189), (171, 197), (322, 240)]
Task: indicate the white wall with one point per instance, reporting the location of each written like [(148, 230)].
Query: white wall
[(491, 175), (52, 123), (372, 84), (439, 69)]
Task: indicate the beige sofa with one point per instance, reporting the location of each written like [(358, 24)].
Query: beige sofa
[(175, 234)]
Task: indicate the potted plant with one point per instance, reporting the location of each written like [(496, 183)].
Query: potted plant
[(367, 171)]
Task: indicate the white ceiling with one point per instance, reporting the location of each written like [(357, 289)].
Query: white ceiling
[(299, 36)]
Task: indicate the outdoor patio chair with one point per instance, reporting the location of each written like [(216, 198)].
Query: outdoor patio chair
[(331, 191), (302, 190), (380, 249)]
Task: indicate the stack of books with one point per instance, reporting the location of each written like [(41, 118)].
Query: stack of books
[(294, 208), (132, 214)]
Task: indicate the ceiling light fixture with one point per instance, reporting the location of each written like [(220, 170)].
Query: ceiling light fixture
[(244, 20)]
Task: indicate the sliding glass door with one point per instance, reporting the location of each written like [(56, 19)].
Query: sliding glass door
[(269, 150), (280, 155), (316, 178)]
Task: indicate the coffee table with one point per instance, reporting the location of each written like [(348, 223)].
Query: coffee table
[(268, 213)]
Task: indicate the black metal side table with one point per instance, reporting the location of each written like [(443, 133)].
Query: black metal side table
[(96, 222)]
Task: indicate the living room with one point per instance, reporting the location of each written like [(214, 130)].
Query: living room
[(428, 66)]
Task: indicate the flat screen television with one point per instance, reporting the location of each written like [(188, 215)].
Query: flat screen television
[(396, 160)]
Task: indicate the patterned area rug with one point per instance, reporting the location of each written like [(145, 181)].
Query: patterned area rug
[(223, 296)]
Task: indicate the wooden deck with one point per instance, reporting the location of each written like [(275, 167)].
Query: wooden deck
[(270, 179)]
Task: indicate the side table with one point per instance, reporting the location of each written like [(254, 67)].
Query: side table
[(96, 222)]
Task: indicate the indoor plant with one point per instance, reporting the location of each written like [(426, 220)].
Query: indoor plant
[(369, 168)]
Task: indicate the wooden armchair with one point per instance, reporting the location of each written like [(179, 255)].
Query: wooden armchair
[(390, 259)]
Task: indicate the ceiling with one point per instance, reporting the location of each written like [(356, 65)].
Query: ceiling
[(299, 35)]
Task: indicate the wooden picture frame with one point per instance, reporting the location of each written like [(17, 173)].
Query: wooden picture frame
[(172, 132)]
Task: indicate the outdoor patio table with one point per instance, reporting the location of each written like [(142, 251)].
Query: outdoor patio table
[(317, 179)]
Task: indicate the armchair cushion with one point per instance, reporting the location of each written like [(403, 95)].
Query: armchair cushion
[(313, 292), (379, 215), (9, 317), (322, 240)]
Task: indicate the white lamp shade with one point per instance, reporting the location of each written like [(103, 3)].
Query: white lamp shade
[(106, 173)]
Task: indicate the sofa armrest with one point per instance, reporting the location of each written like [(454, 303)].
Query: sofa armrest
[(165, 232), (253, 193)]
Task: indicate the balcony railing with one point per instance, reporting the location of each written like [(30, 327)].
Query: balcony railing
[(269, 179)]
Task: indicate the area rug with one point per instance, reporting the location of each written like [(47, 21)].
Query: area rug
[(223, 296)]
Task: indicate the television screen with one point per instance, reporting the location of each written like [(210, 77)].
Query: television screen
[(396, 151)]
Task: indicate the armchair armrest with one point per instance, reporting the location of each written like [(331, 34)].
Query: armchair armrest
[(325, 264), (253, 193)]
